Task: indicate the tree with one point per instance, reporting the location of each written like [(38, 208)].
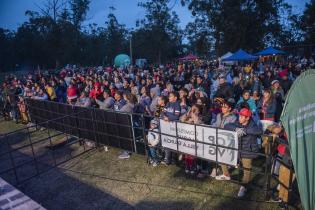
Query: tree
[(199, 37), (308, 22), (115, 37), (247, 24), (158, 36)]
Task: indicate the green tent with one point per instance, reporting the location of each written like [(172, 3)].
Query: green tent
[(298, 118), (122, 60)]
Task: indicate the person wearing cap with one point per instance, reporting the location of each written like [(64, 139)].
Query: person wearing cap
[(225, 117), (247, 132)]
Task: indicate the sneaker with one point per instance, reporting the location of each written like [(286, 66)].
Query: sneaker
[(186, 171), (192, 172), (154, 164), (124, 155), (223, 178), (164, 162), (213, 173), (241, 192)]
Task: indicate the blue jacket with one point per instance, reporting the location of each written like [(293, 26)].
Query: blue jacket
[(251, 103), (172, 111), (248, 143), (119, 104)]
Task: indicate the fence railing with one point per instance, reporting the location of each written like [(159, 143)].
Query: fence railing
[(128, 132)]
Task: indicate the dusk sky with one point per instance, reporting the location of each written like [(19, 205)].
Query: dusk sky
[(127, 12)]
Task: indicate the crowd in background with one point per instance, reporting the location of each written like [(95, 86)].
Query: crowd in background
[(243, 98)]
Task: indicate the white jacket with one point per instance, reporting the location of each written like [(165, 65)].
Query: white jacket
[(153, 137)]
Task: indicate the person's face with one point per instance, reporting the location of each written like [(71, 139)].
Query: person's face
[(243, 120), (117, 97), (246, 96), (152, 126), (105, 95), (225, 109), (182, 94), (199, 102), (266, 94), (276, 85), (172, 98), (199, 81), (221, 81), (161, 102), (143, 90), (255, 94), (195, 110)]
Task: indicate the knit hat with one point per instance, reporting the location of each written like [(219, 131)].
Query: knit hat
[(274, 81)]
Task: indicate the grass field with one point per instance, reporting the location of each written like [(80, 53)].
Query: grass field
[(99, 180)]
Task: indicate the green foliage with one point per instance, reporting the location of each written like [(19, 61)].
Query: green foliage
[(158, 36), (308, 22), (234, 24), (54, 36)]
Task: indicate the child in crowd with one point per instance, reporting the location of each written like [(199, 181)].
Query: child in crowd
[(153, 138)]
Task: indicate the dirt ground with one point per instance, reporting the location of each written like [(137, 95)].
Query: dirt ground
[(99, 180)]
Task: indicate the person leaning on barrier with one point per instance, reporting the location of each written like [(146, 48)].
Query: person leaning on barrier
[(153, 138), (108, 102), (225, 117), (171, 112), (247, 132)]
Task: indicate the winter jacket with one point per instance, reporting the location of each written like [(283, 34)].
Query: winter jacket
[(128, 107), (267, 110), (251, 103), (221, 121), (248, 143), (172, 111), (224, 91), (119, 104), (108, 103), (153, 138)]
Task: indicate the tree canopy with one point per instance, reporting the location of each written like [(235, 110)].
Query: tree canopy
[(53, 36)]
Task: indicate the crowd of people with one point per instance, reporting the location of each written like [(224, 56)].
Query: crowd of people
[(242, 98)]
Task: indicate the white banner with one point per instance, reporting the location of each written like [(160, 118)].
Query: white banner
[(201, 134)]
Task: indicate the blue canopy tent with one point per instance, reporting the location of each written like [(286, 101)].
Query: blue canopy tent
[(241, 55), (270, 51)]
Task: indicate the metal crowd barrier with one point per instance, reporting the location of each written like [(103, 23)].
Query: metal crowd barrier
[(128, 132)]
